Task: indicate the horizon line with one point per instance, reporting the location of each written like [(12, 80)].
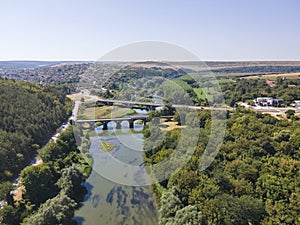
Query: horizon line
[(205, 60)]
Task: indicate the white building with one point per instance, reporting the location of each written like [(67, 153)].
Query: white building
[(265, 101), (268, 101), (296, 104)]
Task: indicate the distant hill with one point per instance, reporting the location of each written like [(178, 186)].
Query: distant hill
[(227, 68), (243, 68), (60, 72), (11, 65)]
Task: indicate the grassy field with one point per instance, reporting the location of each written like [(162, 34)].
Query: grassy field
[(225, 80), (203, 93), (102, 112)]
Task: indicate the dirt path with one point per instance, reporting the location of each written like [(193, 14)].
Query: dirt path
[(17, 194)]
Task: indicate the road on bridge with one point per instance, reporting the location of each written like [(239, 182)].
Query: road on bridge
[(161, 104), (270, 110)]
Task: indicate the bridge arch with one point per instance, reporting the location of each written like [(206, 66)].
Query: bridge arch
[(117, 121)]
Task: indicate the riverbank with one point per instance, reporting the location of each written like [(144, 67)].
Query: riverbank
[(112, 197)]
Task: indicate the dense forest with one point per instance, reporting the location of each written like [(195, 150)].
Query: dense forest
[(53, 189), (254, 179), (29, 114)]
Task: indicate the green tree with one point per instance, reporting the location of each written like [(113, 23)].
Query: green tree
[(39, 183), (107, 94), (176, 118), (230, 210), (5, 189), (58, 210), (188, 215), (70, 183), (290, 113), (9, 216), (168, 110), (170, 204)]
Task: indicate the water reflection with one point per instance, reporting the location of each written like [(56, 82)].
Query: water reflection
[(111, 203), (111, 126)]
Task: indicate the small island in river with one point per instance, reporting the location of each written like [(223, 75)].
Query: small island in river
[(106, 146)]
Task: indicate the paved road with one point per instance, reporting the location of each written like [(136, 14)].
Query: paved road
[(270, 110), (130, 102), (256, 109), (66, 124), (204, 107), (267, 109), (161, 104), (75, 110)]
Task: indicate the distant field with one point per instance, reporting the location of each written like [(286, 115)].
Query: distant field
[(225, 80), (274, 76), (245, 68)]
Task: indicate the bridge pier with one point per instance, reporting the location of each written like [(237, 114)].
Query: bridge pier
[(131, 123), (151, 107), (105, 127), (118, 124)]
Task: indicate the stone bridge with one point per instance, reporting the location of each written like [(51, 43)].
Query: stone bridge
[(118, 121)]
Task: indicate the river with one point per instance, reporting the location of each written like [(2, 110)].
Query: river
[(109, 202)]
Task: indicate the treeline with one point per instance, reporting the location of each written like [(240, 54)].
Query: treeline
[(254, 178), (236, 90), (258, 69), (129, 74), (53, 190), (249, 89), (30, 114)]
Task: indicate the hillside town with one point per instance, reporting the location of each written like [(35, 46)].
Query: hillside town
[(56, 74)]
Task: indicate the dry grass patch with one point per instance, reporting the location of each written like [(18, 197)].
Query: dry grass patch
[(103, 112), (171, 125)]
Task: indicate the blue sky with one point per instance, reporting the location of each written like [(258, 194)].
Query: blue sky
[(212, 29)]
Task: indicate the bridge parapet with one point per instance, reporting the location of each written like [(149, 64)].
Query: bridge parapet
[(118, 121)]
